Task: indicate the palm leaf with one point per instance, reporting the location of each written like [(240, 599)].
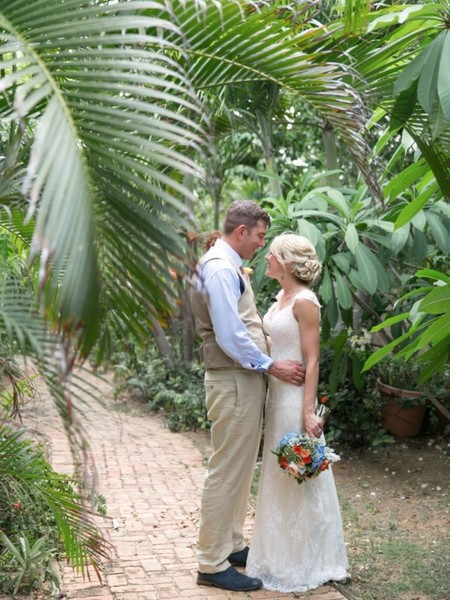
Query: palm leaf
[(227, 46), (111, 104), (26, 474)]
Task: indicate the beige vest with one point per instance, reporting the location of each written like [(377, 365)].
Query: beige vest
[(212, 355)]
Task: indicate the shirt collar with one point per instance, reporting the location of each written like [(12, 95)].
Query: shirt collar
[(228, 250)]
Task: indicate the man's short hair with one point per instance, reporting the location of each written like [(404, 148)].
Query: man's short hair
[(244, 212)]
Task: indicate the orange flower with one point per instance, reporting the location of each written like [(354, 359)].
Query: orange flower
[(306, 456), (324, 399), (283, 462), (325, 465)]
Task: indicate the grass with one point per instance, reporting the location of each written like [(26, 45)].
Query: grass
[(389, 562), (395, 509), (398, 548)]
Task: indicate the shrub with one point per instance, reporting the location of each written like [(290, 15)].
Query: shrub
[(177, 391)]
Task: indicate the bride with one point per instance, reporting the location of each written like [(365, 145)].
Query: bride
[(298, 541)]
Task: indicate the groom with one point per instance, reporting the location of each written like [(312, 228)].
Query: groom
[(235, 354)]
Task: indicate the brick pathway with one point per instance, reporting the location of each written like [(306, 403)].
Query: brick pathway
[(152, 481)]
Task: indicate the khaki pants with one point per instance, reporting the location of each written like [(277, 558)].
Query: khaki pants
[(234, 401)]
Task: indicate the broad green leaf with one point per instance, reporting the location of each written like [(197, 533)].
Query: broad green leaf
[(382, 352), (435, 353), (420, 246), (403, 109), (366, 268), (405, 178), (308, 230), (343, 293), (433, 274), (438, 121), (411, 72), (351, 238), (439, 232), (434, 332), (342, 261), (331, 312), (415, 292), (326, 290), (427, 93), (437, 301), (435, 360), (390, 321), (336, 198), (434, 367), (313, 200), (419, 221), (443, 84), (383, 275), (356, 279), (319, 214), (415, 206), (399, 238)]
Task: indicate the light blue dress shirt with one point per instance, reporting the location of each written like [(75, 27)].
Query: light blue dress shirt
[(223, 289)]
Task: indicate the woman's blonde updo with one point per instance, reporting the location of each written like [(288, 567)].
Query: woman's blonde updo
[(297, 252)]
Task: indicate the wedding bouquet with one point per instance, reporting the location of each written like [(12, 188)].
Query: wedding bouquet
[(303, 457)]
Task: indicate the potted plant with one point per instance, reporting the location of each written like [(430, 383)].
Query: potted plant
[(403, 399)]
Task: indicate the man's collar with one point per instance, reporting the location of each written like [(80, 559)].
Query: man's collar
[(224, 246)]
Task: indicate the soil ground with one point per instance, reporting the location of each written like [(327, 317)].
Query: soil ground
[(395, 503)]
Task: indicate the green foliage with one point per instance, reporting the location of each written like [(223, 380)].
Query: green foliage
[(427, 78), (108, 188), (354, 418), (351, 241), (37, 502), (27, 566), (426, 339), (185, 410), (178, 392)]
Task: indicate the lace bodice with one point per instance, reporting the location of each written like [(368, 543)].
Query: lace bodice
[(281, 326)]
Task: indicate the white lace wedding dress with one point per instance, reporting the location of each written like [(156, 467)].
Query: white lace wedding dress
[(297, 543)]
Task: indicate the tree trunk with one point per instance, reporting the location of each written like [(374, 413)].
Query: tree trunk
[(330, 147), (164, 348), (265, 124)]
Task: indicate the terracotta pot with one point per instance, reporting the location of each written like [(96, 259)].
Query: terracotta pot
[(404, 422)]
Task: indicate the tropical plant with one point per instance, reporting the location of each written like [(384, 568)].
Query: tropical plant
[(364, 258), (31, 563), (354, 419), (427, 336), (28, 481), (122, 144), (103, 118)]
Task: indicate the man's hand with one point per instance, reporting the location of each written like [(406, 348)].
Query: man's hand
[(289, 371)]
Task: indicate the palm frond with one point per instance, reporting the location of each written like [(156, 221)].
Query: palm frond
[(226, 46), (24, 473), (113, 107)]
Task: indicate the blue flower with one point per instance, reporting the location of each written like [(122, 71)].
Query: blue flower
[(318, 457), (289, 439)]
